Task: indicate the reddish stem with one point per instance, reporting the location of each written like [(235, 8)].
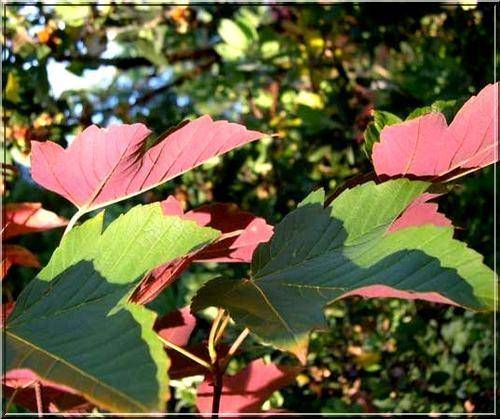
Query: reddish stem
[(218, 377)]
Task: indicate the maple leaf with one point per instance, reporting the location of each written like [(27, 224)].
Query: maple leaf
[(320, 254), (427, 147), (246, 391), (241, 232), (72, 324), (106, 165)]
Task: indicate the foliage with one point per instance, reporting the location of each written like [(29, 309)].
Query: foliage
[(311, 74), (319, 255)]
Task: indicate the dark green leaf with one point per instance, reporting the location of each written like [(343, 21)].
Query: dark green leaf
[(72, 324), (318, 255)]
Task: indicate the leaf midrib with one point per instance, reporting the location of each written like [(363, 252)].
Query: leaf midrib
[(336, 249), (71, 366), (275, 311)]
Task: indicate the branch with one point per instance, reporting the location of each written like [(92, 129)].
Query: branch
[(178, 81), (218, 375), (146, 97), (125, 63)]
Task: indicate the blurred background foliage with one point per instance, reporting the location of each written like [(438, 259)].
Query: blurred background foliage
[(312, 74)]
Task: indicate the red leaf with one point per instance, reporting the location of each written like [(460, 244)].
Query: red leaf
[(28, 217), (421, 212), (246, 391), (243, 231), (382, 291), (158, 279), (17, 255), (55, 397), (246, 230), (104, 165), (177, 326), (427, 147)]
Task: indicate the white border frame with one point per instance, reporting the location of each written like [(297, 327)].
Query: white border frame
[(4, 3)]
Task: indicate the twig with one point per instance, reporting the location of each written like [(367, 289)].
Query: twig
[(186, 353), (218, 384), (178, 81), (219, 365), (215, 333), (146, 97), (126, 63)]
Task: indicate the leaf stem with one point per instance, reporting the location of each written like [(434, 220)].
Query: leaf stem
[(234, 347), (73, 220), (222, 327), (38, 396), (11, 399), (186, 353), (213, 332), (229, 235)]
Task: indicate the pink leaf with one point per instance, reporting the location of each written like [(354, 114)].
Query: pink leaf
[(246, 231), (421, 212), (427, 147), (383, 291), (158, 279), (177, 326), (55, 397), (243, 232), (17, 255), (105, 165), (28, 217), (246, 391)]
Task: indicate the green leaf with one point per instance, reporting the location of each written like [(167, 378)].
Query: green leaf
[(73, 325), (12, 88), (447, 107), (73, 15), (237, 34), (372, 132), (318, 255), (229, 52)]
